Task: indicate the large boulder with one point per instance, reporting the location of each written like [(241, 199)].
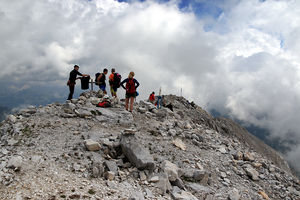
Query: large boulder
[(139, 156)]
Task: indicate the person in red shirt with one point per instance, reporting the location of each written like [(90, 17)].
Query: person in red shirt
[(111, 83), (131, 85), (152, 97)]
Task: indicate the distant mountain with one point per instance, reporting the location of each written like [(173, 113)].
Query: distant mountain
[(264, 135), (32, 96), (3, 112)]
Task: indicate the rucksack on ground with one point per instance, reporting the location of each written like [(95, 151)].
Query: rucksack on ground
[(117, 80), (104, 104), (96, 77)]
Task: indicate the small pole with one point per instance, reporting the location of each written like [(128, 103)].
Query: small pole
[(92, 84)]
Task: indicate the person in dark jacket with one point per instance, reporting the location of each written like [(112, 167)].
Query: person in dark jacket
[(131, 85), (72, 80), (101, 81)]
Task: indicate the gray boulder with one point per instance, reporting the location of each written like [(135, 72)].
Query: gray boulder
[(137, 155), (252, 173), (15, 163)]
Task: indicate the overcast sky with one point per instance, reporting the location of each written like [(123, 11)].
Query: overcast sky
[(239, 57)]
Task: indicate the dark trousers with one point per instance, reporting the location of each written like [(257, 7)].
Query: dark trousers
[(71, 87)]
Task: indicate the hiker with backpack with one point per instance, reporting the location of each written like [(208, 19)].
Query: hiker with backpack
[(131, 85), (114, 82), (100, 80), (72, 80), (152, 97)]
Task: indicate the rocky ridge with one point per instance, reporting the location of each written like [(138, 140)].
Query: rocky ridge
[(76, 150)]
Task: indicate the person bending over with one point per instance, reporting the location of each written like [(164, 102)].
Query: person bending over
[(72, 80)]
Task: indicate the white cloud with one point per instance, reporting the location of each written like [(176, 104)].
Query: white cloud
[(247, 64)]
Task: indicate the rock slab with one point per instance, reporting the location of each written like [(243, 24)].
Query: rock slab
[(136, 154), (92, 145)]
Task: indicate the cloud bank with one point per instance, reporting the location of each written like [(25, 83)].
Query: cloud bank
[(243, 60)]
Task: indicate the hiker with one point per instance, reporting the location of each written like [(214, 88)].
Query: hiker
[(100, 80), (159, 99), (72, 80), (131, 85), (114, 82), (152, 97)]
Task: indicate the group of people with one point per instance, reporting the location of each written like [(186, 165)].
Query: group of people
[(131, 84), (157, 101)]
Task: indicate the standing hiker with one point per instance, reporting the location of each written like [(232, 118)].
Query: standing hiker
[(100, 80), (159, 99), (114, 82), (72, 80), (131, 85)]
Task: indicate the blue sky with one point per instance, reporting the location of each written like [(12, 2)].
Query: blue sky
[(201, 8)]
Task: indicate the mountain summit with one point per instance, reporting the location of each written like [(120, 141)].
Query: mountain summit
[(76, 150)]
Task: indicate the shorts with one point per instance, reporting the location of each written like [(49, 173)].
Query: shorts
[(102, 87), (128, 95), (113, 90)]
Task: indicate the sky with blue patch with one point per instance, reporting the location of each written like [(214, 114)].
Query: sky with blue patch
[(239, 57), (201, 8)]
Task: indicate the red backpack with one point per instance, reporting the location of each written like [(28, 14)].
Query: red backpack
[(104, 104), (130, 87)]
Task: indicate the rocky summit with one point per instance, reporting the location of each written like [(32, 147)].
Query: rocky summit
[(76, 150)]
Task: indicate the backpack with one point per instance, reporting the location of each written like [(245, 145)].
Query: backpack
[(130, 86), (85, 80), (117, 80), (96, 77), (104, 104)]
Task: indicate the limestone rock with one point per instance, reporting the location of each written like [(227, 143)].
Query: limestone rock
[(197, 188), (183, 195), (138, 156), (163, 185), (92, 145), (11, 118), (248, 156), (201, 176), (94, 100), (171, 170), (15, 162), (154, 179), (82, 98), (238, 155), (109, 175), (142, 110), (178, 143), (83, 113), (234, 194), (252, 173), (111, 165), (137, 195), (263, 194)]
